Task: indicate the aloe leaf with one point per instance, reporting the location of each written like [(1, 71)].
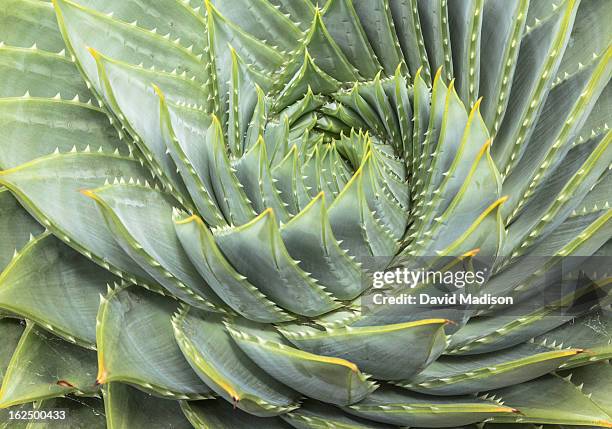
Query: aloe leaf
[(44, 366), (399, 407), (460, 375), (256, 250), (160, 18), (198, 184), (375, 16), (49, 189), (330, 58), (465, 22), (522, 322), (145, 355), (568, 105), (127, 408), (354, 222), (119, 86), (502, 27), (594, 381), (61, 295), (346, 30), (215, 357), (262, 21), (24, 23), (16, 226), (221, 415), (589, 332), (299, 11), (222, 34), (309, 239), (580, 235), (560, 194), (85, 28), (233, 288), (132, 211), (313, 414), (422, 98), (436, 35), (41, 125), (245, 87), (229, 192), (540, 54), (328, 379), (590, 35), (377, 350), (289, 181), (408, 28), (26, 70), (306, 74), (11, 330), (571, 406), (253, 172)]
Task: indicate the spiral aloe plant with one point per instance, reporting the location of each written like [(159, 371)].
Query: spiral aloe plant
[(196, 195)]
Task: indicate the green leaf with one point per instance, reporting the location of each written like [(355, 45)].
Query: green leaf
[(27, 70), (179, 21), (306, 74), (408, 28), (433, 16), (313, 414), (61, 293), (256, 251), (594, 380), (132, 211), (263, 21), (590, 35), (120, 85), (321, 45), (377, 350), (309, 239), (567, 107), (233, 288), (399, 407), (136, 345), (220, 415), (228, 191), (127, 408), (85, 28), (465, 22), (460, 375), (11, 331), (253, 172), (541, 51), (16, 226), (568, 406), (502, 26), (346, 30), (590, 332), (377, 22), (44, 366), (49, 189), (328, 379), (44, 125), (215, 357), (24, 23)]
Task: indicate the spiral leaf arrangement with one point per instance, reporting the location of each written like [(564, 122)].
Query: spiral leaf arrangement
[(195, 196)]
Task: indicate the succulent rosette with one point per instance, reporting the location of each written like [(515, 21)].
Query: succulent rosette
[(196, 197)]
